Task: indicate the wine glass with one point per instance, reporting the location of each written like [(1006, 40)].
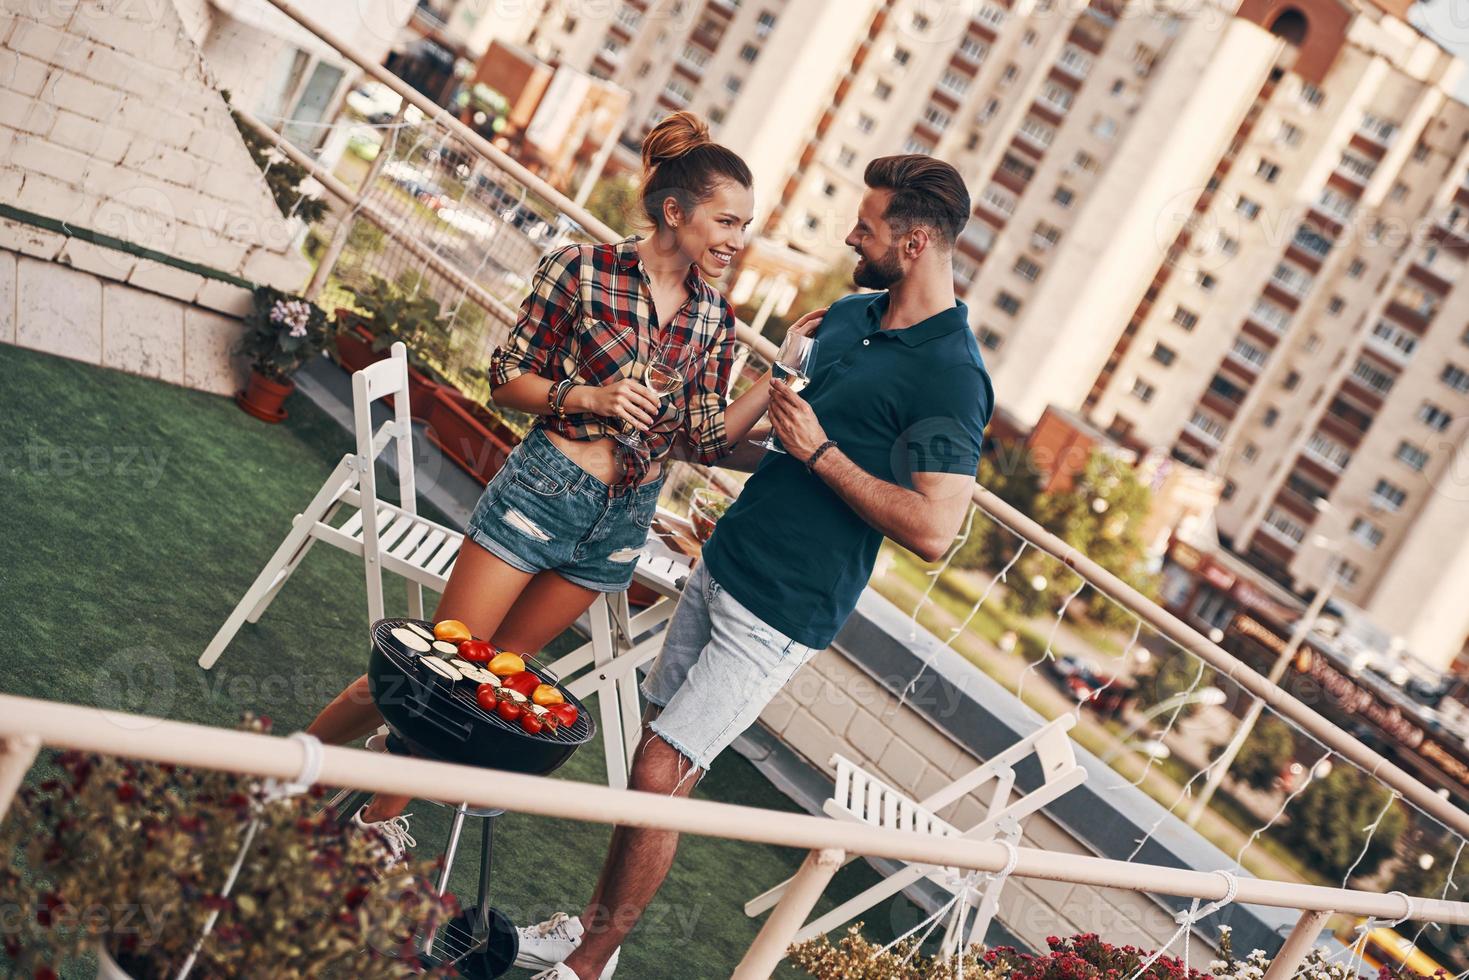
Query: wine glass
[(793, 365), (664, 375)]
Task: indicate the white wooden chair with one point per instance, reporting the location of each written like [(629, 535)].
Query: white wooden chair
[(862, 797), (388, 537)]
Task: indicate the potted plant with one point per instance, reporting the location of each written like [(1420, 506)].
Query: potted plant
[(475, 436), (128, 860), (282, 332), (394, 313)]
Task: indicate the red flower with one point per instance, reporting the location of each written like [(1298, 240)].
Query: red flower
[(126, 793), (46, 973)]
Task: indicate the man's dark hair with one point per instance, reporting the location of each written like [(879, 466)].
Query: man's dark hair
[(926, 191)]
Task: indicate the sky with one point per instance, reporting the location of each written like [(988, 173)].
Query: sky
[(1447, 21)]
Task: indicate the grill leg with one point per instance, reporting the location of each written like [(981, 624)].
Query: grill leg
[(486, 853), (450, 849)]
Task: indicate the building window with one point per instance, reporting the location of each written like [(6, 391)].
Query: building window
[(1356, 269), (1268, 314), (1011, 72), (1064, 196), (1086, 163), (1271, 416), (1399, 191), (1012, 164), (1207, 282), (1295, 281), (901, 57), (956, 83), (920, 23), (973, 48), (1292, 381), (1411, 456), (1311, 95), (965, 272), (1421, 152), (915, 144), (1185, 318), (629, 17), (733, 84), (1009, 304), (998, 199), (765, 24), (1029, 38), (1365, 533), (1228, 245), (979, 234), (1037, 132), (1104, 128), (1434, 417), (749, 53), (1288, 134), (1336, 305), (1142, 391), (1251, 452), (1329, 451), (1455, 377), (988, 112), (1026, 269), (1164, 355), (1282, 525), (1057, 97), (1075, 61), (1208, 425), (1311, 241), (1249, 353), (678, 92), (1247, 207), (1373, 377), (695, 57), (716, 115), (1356, 167), (882, 90), (1313, 343), (1377, 128), (1388, 496), (812, 222), (1267, 171), (1143, 60), (1046, 236), (846, 156), (1393, 340), (1118, 86), (990, 340), (865, 123), (829, 189), (991, 15), (936, 117)]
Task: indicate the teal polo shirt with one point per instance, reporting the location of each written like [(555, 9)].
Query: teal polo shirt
[(897, 402)]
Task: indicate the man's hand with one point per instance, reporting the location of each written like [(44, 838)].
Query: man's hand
[(795, 423)]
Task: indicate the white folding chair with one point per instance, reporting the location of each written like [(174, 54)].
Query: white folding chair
[(388, 537), (864, 798)]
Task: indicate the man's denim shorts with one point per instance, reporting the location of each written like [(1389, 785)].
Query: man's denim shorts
[(544, 512), (719, 668)]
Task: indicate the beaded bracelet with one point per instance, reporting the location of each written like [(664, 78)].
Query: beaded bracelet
[(811, 462), (562, 390)]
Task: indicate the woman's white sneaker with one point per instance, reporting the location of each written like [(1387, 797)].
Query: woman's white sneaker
[(393, 833)]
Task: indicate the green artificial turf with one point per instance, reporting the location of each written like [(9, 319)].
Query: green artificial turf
[(137, 513)]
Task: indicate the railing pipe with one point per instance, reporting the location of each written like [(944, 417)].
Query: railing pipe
[(780, 929), (158, 740), (1298, 944)]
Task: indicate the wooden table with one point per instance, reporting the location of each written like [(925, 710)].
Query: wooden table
[(606, 665)]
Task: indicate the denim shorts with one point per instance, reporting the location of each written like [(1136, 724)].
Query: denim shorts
[(719, 668), (543, 512)]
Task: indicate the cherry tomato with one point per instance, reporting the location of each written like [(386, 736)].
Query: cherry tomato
[(565, 713), (509, 710), (485, 695), (476, 651), (531, 723)]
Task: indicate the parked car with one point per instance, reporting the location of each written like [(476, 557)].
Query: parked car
[(1079, 677)]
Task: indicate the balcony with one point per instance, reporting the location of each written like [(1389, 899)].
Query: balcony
[(166, 549)]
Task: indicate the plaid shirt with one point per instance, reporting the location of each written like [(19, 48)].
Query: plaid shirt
[(590, 316)]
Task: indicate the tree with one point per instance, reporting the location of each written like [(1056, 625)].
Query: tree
[(1005, 469), (1268, 749), (1327, 821), (615, 203), (1414, 879), (1173, 674)]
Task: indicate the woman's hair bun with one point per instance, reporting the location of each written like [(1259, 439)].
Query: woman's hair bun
[(674, 136)]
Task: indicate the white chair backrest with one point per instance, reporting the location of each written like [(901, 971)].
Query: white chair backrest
[(387, 377)]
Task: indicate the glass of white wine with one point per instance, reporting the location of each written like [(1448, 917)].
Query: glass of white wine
[(664, 375), (793, 365)]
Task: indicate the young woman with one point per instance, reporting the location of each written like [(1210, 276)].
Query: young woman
[(567, 515)]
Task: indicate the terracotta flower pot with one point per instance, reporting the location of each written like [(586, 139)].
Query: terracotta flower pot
[(354, 345), (264, 397), (422, 391), (469, 434)]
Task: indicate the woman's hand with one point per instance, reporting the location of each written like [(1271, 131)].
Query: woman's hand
[(807, 325), (622, 399)]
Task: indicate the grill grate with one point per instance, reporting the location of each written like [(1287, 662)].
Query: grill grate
[(459, 696)]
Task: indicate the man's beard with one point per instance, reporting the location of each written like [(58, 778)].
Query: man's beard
[(883, 273)]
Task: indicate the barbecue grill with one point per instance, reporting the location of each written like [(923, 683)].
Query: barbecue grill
[(440, 719), (432, 717)]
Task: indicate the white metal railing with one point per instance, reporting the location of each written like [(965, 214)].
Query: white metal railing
[(26, 724)]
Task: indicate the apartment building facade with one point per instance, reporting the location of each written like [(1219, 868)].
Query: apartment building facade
[(1232, 231)]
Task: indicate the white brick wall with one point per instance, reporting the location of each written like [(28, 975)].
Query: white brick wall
[(109, 122)]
